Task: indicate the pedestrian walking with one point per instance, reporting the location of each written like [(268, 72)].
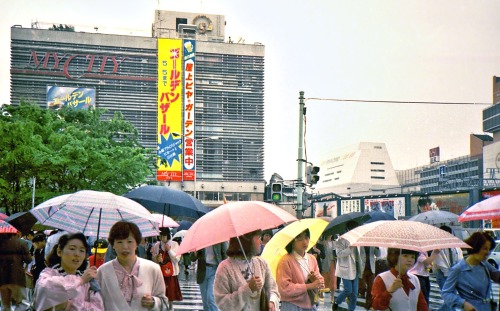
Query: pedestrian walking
[(66, 283), (244, 281), (208, 260), (348, 269), (14, 254), (468, 285), (329, 264), (298, 277), (397, 289), (165, 254), (368, 255), (128, 282)]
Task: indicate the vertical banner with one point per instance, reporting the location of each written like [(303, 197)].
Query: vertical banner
[(189, 147), (169, 110)]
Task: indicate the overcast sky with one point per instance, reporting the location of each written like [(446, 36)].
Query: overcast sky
[(441, 51)]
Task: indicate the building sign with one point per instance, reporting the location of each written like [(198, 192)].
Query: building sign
[(349, 206), (76, 66), (434, 155), (331, 208), (170, 90), (189, 147), (72, 97), (392, 206)]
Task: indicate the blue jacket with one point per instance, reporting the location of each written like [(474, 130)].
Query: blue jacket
[(471, 284)]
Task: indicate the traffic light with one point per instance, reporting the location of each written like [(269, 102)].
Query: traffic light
[(277, 192), (312, 174)]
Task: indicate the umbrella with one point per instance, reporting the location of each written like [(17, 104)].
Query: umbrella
[(232, 220), (410, 235), (3, 216), (164, 221), (23, 221), (93, 213), (5, 227), (185, 224), (486, 209), (275, 248), (378, 215), (180, 234), (436, 217), (338, 224), (168, 201)]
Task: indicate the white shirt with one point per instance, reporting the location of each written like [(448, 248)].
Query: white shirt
[(304, 263)]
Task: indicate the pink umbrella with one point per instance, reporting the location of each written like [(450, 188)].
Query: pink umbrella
[(165, 221), (231, 220), (410, 235), (5, 227), (486, 209), (3, 216)]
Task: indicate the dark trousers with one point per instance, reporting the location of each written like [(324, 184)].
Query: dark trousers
[(425, 286), (365, 286)]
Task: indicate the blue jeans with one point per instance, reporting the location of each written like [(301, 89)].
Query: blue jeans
[(207, 290), (288, 306), (440, 279), (351, 291)]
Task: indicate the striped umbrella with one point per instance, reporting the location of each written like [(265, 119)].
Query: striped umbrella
[(486, 209), (93, 213), (5, 227)]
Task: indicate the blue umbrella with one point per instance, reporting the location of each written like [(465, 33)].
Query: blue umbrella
[(184, 225), (378, 215), (168, 201), (338, 224)]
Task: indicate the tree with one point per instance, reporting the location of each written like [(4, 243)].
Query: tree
[(66, 150)]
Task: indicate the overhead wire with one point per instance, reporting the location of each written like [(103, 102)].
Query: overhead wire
[(396, 101)]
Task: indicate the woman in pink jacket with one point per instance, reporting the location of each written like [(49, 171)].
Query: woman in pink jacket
[(65, 285), (298, 276)]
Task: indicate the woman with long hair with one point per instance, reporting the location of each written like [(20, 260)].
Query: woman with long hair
[(128, 282), (298, 277), (244, 281), (468, 284), (66, 282)]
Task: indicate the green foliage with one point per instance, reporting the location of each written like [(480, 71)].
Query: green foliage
[(66, 151)]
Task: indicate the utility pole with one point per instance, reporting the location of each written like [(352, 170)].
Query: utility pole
[(300, 160)]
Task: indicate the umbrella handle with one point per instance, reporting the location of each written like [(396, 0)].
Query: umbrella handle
[(244, 255)]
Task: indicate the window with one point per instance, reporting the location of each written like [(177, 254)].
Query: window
[(377, 163), (377, 177)]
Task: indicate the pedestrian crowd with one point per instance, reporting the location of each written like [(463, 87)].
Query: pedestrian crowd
[(68, 271)]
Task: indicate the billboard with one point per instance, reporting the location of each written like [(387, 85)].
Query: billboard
[(453, 202), (349, 206), (73, 97), (189, 147), (434, 155), (331, 208), (393, 206), (170, 91)]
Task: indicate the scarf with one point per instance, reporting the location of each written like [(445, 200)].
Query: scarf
[(407, 284), (128, 281)]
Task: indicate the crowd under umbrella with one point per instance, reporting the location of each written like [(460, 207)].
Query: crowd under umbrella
[(167, 201)]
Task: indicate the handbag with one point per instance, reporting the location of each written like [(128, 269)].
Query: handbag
[(264, 300), (166, 266)]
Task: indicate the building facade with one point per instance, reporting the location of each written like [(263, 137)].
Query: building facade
[(123, 71)]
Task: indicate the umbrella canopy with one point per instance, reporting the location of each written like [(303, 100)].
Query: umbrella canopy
[(436, 218), (168, 201), (5, 227), (3, 216), (410, 235), (164, 221), (231, 220), (23, 221), (338, 224), (486, 209), (378, 215), (93, 213), (275, 248), (184, 225)]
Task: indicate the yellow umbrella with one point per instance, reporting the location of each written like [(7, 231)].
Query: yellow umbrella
[(275, 248)]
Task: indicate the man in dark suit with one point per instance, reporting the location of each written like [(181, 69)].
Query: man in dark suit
[(208, 260)]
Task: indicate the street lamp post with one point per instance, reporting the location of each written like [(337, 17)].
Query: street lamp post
[(196, 140)]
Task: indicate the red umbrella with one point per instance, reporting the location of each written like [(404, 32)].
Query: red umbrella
[(486, 209), (5, 227), (3, 216)]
